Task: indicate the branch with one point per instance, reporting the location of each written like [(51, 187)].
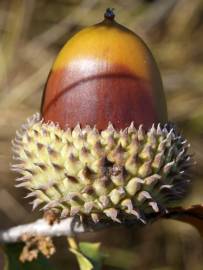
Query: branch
[(40, 227), (66, 227)]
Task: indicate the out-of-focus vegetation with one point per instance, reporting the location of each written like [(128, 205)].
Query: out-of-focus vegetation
[(32, 32)]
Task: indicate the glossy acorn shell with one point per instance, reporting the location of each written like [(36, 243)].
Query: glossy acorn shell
[(105, 73)]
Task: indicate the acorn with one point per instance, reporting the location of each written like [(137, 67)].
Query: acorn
[(101, 148), (105, 73)]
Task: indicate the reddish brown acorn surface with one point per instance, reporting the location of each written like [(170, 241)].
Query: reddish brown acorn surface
[(105, 73)]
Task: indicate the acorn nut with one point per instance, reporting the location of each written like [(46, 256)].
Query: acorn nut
[(102, 148)]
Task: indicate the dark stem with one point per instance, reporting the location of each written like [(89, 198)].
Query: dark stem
[(109, 14)]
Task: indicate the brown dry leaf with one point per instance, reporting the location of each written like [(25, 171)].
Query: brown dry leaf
[(192, 215)]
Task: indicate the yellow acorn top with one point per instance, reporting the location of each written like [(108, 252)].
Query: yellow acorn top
[(111, 42)]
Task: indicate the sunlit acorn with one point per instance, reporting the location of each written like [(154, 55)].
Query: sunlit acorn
[(101, 148), (105, 73)]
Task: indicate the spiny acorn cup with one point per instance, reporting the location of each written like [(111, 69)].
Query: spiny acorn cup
[(101, 148)]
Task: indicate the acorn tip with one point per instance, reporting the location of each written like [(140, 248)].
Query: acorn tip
[(109, 14)]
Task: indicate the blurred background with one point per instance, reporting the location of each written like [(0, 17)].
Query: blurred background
[(31, 34)]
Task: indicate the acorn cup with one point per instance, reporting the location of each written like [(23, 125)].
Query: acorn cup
[(101, 148)]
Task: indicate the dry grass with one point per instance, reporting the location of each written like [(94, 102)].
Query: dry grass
[(32, 33)]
